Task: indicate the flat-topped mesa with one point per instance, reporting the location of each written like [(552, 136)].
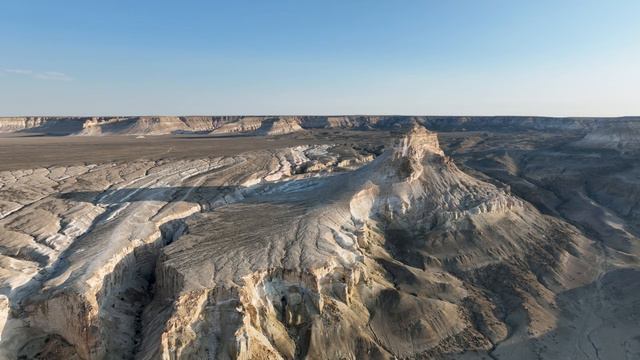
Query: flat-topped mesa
[(416, 142), (410, 151), (12, 124)]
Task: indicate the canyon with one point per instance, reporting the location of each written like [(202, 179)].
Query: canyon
[(319, 237)]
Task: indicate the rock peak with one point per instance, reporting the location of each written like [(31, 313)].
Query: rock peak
[(411, 149), (416, 142)]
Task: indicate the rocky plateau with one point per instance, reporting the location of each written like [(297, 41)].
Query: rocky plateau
[(319, 237)]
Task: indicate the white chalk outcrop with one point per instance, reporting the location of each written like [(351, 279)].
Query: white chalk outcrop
[(387, 261), (261, 126)]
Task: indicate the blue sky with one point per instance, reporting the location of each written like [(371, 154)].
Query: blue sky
[(562, 58)]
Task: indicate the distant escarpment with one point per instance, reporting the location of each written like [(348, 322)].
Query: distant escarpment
[(278, 125), (622, 135)]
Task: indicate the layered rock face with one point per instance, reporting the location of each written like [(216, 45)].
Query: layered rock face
[(261, 126), (127, 125), (279, 125), (148, 125), (623, 136), (49, 125), (13, 124), (292, 253)]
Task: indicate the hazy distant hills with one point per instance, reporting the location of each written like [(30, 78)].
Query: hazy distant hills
[(276, 125)]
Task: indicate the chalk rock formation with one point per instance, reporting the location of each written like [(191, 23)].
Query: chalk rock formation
[(273, 255), (246, 124), (160, 125), (261, 126), (395, 259), (147, 125)]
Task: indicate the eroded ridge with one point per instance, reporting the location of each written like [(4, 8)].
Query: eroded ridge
[(80, 243), (399, 258)]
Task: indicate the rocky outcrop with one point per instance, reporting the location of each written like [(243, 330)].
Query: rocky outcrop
[(261, 126), (13, 124), (280, 126), (362, 265), (148, 125), (247, 124), (48, 125)]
